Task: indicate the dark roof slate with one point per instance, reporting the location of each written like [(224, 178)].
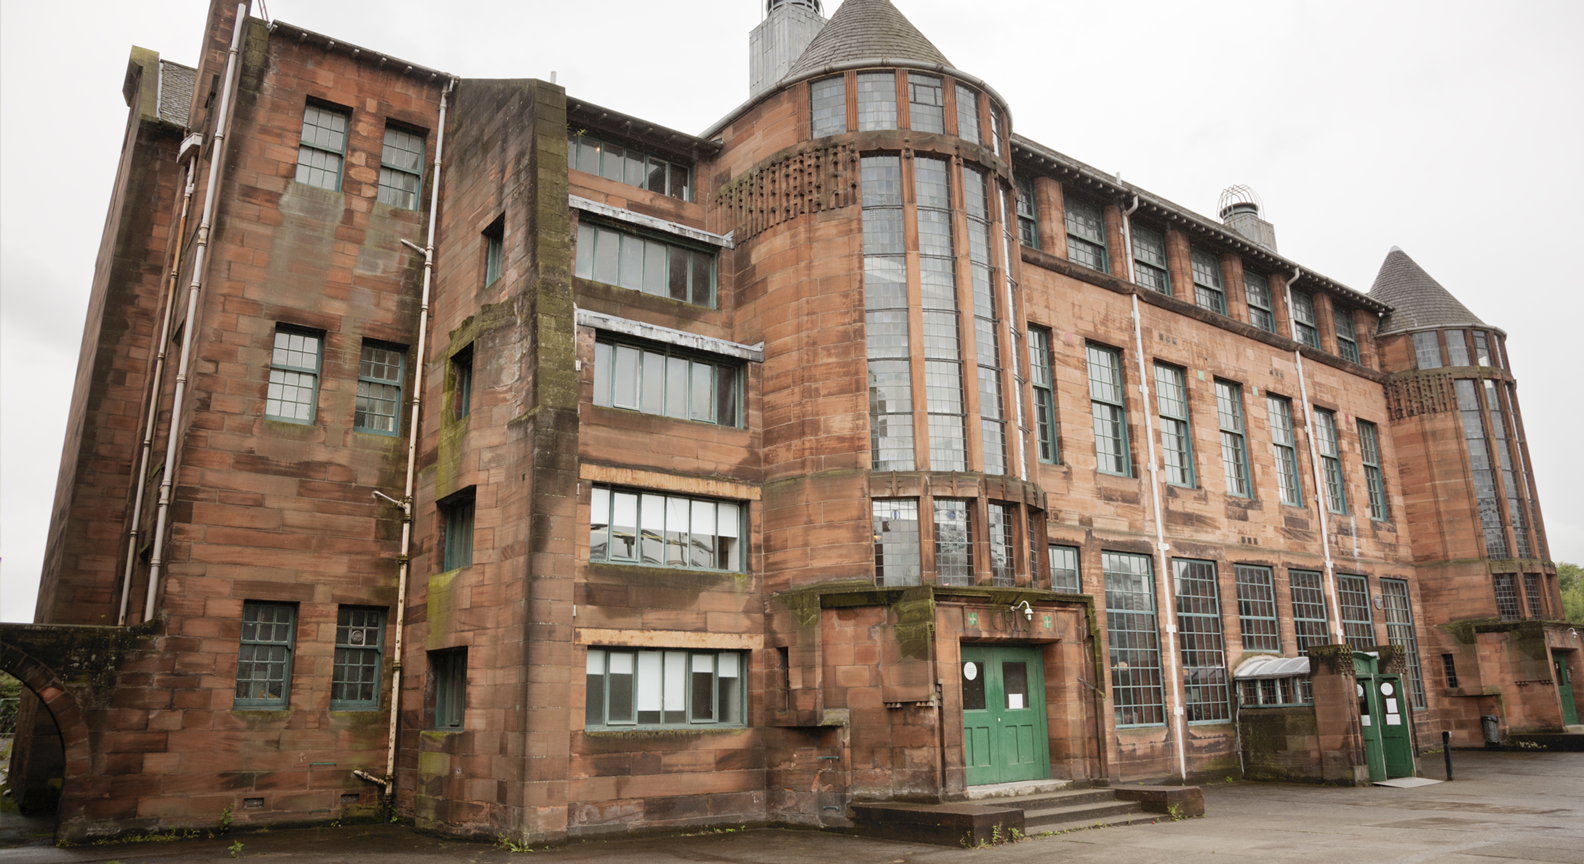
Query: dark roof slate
[(175, 91), (864, 29), (1418, 301)]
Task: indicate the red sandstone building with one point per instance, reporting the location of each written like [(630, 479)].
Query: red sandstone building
[(559, 473)]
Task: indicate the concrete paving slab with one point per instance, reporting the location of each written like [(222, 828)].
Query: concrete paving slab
[(1503, 808)]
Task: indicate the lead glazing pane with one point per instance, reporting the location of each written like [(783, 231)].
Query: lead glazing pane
[(954, 560), (967, 113), (1204, 671), (1400, 632), (896, 539), (1138, 694), (829, 97), (1257, 608), (877, 107), (926, 103)]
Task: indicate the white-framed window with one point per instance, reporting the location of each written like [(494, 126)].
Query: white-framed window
[(668, 382), (626, 687), (660, 529)]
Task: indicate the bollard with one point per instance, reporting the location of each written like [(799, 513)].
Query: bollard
[(1446, 748)]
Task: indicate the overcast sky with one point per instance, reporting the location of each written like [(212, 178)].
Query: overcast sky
[(1452, 129)]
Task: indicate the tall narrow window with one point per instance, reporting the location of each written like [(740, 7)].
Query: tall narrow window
[(456, 512), (1347, 337), (1208, 293), (1257, 608), (997, 130), (1480, 466), (1204, 671), (992, 416), (1310, 623), (323, 147), (264, 660), (1044, 382), (661, 530), (1428, 351), (1374, 480), (954, 558), (462, 382), (1086, 235), (1504, 458), (967, 114), (1449, 669), (1064, 569), (1149, 259), (1280, 411), (379, 389), (494, 247), (1457, 348), (877, 101), (294, 375), (1358, 623), (1171, 398), (662, 380), (896, 541), (1533, 596), (448, 669), (1307, 331), (1482, 353), (886, 316), (1256, 289), (926, 103), (943, 367), (1137, 694), (1036, 542), (829, 97), (401, 168), (998, 533), (1028, 214), (1400, 632), (1110, 413), (1330, 461), (642, 262), (1234, 452), (1506, 596), (355, 676)]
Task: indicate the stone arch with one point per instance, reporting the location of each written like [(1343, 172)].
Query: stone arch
[(63, 709)]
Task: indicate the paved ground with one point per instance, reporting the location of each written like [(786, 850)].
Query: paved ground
[(1504, 808)]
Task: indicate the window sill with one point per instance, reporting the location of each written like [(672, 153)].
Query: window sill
[(633, 731)]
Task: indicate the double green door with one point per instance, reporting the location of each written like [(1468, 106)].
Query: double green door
[(1004, 735), (1383, 715), (1564, 680)]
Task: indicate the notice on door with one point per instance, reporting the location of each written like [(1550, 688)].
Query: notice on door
[(1393, 719), (1015, 701)]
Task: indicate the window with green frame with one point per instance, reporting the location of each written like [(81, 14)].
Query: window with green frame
[(1109, 410), (1027, 214), (1256, 593), (627, 687), (462, 382), (656, 529), (666, 381), (494, 249), (1311, 626), (1374, 480), (1137, 691), (1044, 381), (401, 168), (1064, 569), (448, 692), (264, 657), (1308, 332), (1346, 334), (1086, 235), (1279, 411), (1149, 259), (1400, 632), (1208, 293), (1358, 622), (1234, 449), (1171, 399), (456, 514), (379, 389), (629, 165), (1204, 671), (359, 648), (640, 261), (1256, 290), (1330, 461), (294, 375), (322, 148)]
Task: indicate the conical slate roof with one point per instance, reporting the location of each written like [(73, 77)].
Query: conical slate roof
[(1418, 302), (864, 30)]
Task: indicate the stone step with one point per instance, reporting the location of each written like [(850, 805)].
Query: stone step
[(1016, 790), (1110, 813), (1065, 798), (1114, 822)]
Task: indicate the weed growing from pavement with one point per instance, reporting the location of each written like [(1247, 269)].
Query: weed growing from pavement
[(235, 849), (504, 842)]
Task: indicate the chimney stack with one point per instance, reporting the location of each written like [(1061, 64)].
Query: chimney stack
[(1240, 210), (779, 40)]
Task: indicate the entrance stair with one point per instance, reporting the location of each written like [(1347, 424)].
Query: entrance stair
[(1000, 812), (1056, 806)]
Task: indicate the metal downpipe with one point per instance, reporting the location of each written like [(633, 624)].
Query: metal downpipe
[(1164, 580), (1314, 465), (216, 157)]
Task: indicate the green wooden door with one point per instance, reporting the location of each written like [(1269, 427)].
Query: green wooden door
[(1369, 720), (1004, 735), (1564, 680), (1396, 746)]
